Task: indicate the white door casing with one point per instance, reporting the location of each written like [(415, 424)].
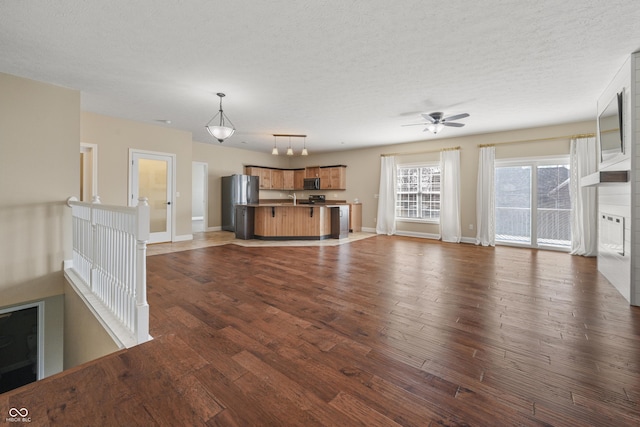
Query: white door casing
[(151, 175)]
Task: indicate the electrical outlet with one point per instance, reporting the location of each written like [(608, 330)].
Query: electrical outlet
[(470, 226)]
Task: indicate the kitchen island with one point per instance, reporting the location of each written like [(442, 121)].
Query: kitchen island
[(288, 221)]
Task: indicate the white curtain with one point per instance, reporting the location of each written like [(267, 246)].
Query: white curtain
[(450, 230), (583, 162), (486, 198), (386, 222)]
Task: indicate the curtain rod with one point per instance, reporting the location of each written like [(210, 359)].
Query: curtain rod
[(411, 153), (582, 135)]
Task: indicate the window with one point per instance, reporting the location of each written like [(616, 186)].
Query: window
[(533, 206), (418, 193)]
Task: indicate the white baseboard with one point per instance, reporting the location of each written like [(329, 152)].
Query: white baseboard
[(183, 238), (218, 228), (416, 234)]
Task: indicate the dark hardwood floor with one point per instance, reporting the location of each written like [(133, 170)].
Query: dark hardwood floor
[(382, 331)]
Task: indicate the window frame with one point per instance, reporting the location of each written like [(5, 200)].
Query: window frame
[(432, 164), (534, 162)]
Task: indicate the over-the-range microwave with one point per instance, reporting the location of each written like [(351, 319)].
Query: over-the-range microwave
[(312, 183)]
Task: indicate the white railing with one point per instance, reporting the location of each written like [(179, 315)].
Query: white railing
[(109, 258), (553, 225)]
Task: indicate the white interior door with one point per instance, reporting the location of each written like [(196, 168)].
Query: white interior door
[(151, 176)]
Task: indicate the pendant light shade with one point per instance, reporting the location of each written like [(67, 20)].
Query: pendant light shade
[(220, 127), (290, 152)]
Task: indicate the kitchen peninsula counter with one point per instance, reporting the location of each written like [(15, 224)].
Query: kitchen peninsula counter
[(286, 221)]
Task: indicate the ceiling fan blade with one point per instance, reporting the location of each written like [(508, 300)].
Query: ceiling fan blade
[(454, 124), (428, 118), (456, 117), (416, 124)]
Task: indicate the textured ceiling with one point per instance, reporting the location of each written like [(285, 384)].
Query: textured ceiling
[(348, 73)]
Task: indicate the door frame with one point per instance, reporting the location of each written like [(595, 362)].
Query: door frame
[(92, 151), (171, 181), (205, 191), (41, 330), (533, 162)]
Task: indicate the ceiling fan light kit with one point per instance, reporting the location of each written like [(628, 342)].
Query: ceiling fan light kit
[(221, 130), (436, 121)]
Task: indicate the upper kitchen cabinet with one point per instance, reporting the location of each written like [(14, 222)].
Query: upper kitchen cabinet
[(288, 179), (312, 172), (277, 179), (333, 177), (298, 179), (263, 173)]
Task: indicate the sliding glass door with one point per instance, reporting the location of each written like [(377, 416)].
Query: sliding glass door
[(533, 207)]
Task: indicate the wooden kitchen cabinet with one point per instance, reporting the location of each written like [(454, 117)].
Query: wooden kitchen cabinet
[(298, 179), (292, 222), (263, 173), (333, 178), (312, 172), (277, 179), (288, 180), (268, 180)]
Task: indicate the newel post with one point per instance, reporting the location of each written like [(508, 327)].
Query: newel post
[(142, 236)]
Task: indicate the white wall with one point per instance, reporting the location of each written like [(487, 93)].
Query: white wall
[(634, 130), (615, 199)]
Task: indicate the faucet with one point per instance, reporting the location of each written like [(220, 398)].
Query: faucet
[(293, 197)]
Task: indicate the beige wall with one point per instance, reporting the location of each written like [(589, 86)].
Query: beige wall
[(363, 166), (114, 137), (224, 161), (86, 338), (39, 169)]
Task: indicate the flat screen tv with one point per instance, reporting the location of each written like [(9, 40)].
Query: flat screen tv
[(610, 129)]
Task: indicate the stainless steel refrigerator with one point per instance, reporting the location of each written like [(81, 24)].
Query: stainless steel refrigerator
[(237, 190)]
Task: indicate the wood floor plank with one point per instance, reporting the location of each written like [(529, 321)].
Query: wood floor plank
[(382, 331)]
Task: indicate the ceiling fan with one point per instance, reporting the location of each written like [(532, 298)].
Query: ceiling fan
[(435, 122)]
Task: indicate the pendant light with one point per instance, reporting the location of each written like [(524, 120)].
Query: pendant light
[(220, 131), (289, 150)]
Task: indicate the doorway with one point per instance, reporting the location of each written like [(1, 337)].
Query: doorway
[(151, 176), (533, 206), (88, 171), (21, 342), (199, 197)]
